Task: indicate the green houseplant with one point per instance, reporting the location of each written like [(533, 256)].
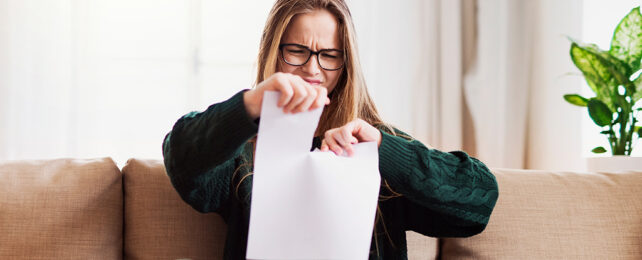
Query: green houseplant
[(614, 77)]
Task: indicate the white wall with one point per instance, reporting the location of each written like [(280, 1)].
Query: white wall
[(388, 37), (412, 61), (38, 89), (109, 78), (90, 78), (554, 135), (4, 74)]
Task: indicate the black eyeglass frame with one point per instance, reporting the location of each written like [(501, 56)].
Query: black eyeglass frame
[(309, 56)]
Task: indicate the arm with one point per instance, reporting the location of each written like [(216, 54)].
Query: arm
[(444, 194), (203, 150)]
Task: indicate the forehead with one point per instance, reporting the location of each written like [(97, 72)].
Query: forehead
[(317, 30)]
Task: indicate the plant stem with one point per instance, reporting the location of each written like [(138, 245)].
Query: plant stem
[(631, 130), (611, 138), (624, 118)]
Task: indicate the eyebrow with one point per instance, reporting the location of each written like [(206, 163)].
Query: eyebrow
[(328, 49)]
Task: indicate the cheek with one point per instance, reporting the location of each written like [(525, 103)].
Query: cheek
[(332, 77), (282, 67)]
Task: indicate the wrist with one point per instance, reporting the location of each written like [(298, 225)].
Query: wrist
[(250, 103)]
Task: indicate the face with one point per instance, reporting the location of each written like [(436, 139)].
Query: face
[(317, 30)]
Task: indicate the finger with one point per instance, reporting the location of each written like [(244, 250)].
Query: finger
[(309, 98), (305, 105), (354, 127), (350, 147), (365, 132), (322, 98), (344, 138), (284, 87), (348, 132), (324, 146), (332, 144), (300, 93)]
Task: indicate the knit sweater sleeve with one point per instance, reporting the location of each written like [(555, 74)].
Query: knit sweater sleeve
[(203, 150), (443, 194)]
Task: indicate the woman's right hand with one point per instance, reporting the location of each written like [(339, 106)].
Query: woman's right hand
[(297, 95)]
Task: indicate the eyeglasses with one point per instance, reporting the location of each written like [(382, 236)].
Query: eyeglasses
[(299, 55)]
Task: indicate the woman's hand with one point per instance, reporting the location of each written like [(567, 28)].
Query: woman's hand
[(342, 138), (297, 95)]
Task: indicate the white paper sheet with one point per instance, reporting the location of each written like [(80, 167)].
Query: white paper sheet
[(309, 205)]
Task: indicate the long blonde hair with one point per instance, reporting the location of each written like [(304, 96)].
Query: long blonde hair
[(349, 99)]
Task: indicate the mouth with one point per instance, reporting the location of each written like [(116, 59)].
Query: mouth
[(313, 81)]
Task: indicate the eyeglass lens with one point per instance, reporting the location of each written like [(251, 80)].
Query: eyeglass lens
[(298, 55)]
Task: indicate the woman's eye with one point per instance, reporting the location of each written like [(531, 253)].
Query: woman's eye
[(329, 56)]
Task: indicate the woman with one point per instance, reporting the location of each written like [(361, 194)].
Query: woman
[(308, 53)]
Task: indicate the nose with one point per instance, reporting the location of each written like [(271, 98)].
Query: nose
[(312, 66)]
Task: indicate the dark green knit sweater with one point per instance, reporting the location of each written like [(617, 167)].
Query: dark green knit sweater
[(443, 194)]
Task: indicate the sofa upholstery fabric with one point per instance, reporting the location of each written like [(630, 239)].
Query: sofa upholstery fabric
[(559, 215), (421, 247), (61, 209), (159, 225), (89, 209)]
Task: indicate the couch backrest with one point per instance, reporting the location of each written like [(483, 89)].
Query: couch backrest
[(61, 209), (75, 209), (159, 225), (559, 215)]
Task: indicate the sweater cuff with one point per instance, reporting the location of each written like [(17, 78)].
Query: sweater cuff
[(235, 119), (394, 160)]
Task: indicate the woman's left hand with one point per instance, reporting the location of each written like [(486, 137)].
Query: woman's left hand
[(342, 138)]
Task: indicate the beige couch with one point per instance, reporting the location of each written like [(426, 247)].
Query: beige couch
[(89, 209)]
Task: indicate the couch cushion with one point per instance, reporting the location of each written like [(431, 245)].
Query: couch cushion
[(61, 209), (159, 225), (548, 215), (421, 247)]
